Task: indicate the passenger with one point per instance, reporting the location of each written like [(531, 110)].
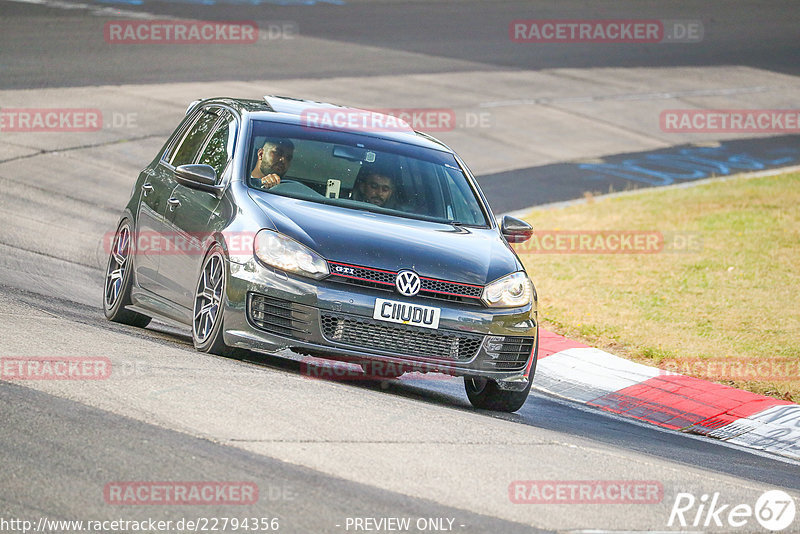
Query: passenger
[(375, 185), (274, 159)]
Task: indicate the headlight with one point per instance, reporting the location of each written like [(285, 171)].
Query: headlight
[(508, 292), (287, 254)]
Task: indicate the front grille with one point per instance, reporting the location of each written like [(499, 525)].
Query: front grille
[(363, 273), (367, 334), (452, 288), (429, 287), (507, 353), (279, 316)]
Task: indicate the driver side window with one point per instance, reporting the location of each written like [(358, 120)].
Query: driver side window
[(194, 137), (219, 149)]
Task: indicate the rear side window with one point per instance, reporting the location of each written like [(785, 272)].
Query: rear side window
[(193, 139)]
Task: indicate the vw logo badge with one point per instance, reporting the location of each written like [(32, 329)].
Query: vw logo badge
[(407, 283)]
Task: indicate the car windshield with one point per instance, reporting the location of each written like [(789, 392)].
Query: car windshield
[(362, 173)]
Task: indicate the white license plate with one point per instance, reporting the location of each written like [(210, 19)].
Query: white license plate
[(405, 313)]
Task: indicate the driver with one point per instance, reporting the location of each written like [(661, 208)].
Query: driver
[(273, 161), (375, 185)]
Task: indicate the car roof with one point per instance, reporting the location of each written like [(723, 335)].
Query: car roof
[(296, 111)]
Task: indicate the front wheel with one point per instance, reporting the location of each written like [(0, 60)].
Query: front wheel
[(208, 311), (486, 394)]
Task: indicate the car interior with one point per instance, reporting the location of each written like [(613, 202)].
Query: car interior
[(322, 171)]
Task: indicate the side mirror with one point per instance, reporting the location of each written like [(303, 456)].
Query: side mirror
[(201, 177), (515, 230)]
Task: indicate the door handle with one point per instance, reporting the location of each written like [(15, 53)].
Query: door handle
[(173, 203), (147, 187)]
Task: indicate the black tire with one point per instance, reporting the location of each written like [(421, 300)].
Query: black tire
[(485, 394), (119, 278), (208, 311)]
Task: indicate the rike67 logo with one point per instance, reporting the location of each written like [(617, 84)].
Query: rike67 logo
[(774, 510)]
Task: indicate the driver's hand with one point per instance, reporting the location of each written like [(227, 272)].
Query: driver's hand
[(270, 180)]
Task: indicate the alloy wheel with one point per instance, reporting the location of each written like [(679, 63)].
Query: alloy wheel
[(208, 298), (117, 264)]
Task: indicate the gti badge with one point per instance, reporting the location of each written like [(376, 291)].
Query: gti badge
[(407, 283), (344, 270)]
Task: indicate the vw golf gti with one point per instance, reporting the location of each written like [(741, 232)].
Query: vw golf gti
[(335, 232)]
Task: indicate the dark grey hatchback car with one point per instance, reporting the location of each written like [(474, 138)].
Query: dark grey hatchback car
[(334, 232)]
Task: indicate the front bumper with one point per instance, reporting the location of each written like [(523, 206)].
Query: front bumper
[(269, 310)]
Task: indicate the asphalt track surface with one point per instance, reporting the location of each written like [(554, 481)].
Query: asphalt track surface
[(39, 45), (60, 446), (296, 495)]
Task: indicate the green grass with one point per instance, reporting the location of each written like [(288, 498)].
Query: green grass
[(737, 297)]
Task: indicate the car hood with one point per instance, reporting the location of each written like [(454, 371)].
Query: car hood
[(436, 250)]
